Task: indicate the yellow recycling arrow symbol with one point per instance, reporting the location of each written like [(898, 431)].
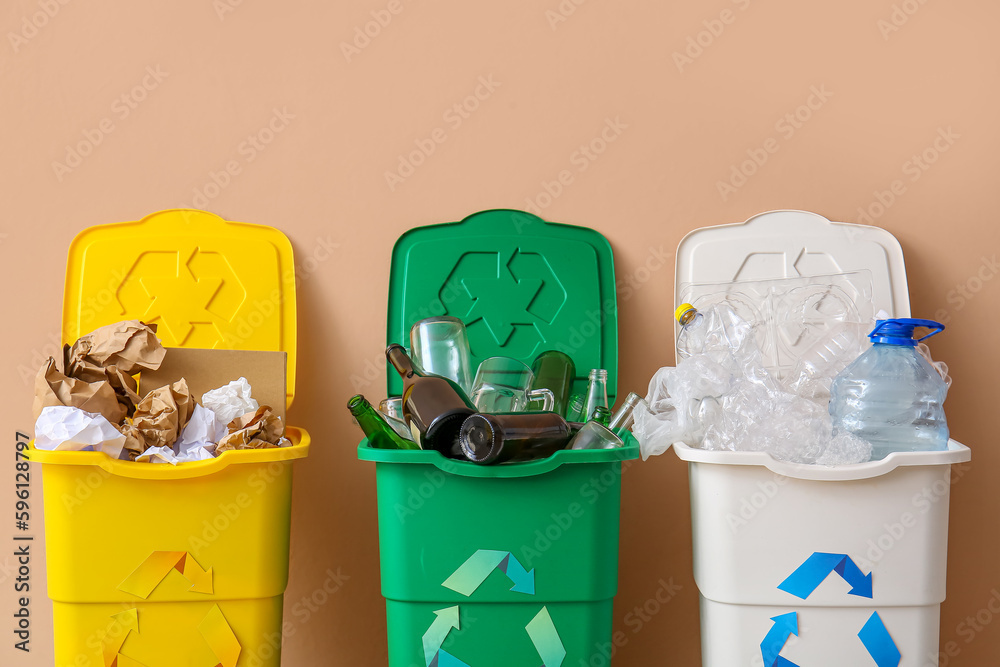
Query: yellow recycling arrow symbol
[(214, 628), (220, 637), (145, 578), (129, 621)]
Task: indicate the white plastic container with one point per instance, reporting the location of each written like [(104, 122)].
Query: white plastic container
[(756, 521)]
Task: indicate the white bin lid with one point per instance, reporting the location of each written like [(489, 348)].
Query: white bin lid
[(789, 244), (792, 244)]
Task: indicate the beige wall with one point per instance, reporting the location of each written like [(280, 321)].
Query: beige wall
[(222, 68)]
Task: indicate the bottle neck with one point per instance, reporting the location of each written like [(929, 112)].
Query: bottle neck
[(624, 417), (396, 354), (368, 417)]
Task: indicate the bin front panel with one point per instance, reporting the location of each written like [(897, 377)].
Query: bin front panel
[(450, 542), (563, 525), (731, 634), (225, 535), (494, 635), (168, 634), (753, 529)]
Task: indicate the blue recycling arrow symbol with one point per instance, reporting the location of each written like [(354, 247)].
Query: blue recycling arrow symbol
[(784, 627), (878, 641), (818, 567), (801, 583)]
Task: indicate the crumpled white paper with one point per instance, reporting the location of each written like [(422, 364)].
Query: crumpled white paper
[(230, 401), (65, 428), (168, 455), (196, 443), (204, 429)]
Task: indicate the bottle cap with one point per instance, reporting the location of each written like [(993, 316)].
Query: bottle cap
[(900, 331), (681, 314)]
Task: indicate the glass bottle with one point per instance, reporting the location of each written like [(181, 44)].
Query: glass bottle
[(624, 416), (597, 392), (595, 434), (601, 415), (379, 433), (574, 408), (554, 370), (434, 407), (513, 436), (392, 410)]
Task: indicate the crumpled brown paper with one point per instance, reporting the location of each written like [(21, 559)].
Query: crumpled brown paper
[(159, 418), (114, 353), (135, 443), (130, 346), (54, 388), (255, 430), (98, 368)]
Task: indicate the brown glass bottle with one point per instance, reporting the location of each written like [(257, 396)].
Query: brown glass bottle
[(514, 436), (434, 407)]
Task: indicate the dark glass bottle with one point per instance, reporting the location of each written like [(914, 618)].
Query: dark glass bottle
[(514, 436), (554, 370), (434, 407), (380, 434)]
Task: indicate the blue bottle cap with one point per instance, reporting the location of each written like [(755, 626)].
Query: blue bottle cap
[(900, 331)]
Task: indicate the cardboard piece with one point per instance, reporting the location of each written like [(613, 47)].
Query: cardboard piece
[(207, 369)]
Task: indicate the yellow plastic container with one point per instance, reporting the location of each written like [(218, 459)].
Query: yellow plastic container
[(152, 564)]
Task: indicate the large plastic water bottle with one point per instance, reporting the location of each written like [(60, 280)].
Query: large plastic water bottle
[(890, 395)]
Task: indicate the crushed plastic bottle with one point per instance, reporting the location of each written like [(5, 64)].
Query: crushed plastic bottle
[(891, 395), (815, 369)]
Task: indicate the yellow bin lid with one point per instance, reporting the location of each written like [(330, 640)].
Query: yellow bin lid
[(204, 281)]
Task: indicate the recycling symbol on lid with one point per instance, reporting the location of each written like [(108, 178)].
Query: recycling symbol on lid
[(465, 580), (188, 292), (807, 577), (514, 294)]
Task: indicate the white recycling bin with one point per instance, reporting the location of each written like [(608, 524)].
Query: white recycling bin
[(811, 565)]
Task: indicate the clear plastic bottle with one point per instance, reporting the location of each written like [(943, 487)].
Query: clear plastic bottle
[(890, 395), (717, 331), (815, 369)]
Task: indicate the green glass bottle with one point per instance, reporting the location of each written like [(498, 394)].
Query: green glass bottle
[(554, 370), (380, 434), (513, 436), (574, 408), (434, 407), (601, 415)]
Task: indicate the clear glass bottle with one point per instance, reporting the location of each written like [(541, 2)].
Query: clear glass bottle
[(624, 416), (597, 392)]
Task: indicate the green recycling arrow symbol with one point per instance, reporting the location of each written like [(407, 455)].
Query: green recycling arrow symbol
[(465, 581), (473, 572), (438, 632)]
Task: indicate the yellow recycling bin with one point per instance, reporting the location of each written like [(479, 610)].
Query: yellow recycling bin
[(158, 565)]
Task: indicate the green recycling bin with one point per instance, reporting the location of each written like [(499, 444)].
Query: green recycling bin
[(512, 565)]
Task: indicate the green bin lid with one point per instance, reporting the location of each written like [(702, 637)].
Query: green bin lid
[(521, 285)]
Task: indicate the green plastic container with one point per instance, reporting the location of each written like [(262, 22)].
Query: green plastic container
[(513, 565)]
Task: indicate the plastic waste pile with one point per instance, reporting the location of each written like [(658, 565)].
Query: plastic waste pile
[(721, 396)]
